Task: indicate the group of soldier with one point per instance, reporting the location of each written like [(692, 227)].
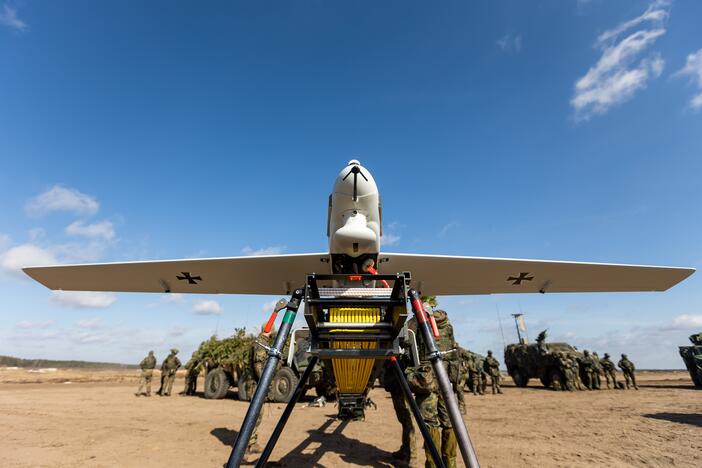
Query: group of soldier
[(169, 367), (585, 372), (462, 366)]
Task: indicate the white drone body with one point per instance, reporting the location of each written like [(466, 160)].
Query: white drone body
[(355, 231)]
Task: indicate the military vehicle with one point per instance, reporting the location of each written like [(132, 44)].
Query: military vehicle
[(535, 361), (692, 356), (229, 367)]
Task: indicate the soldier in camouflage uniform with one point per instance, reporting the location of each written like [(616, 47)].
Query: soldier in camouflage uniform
[(473, 375), (628, 369), (258, 357), (457, 376), (147, 371), (426, 389), (586, 364), (193, 368), (575, 367), (168, 373), (566, 371), (609, 370), (492, 368), (408, 450), (596, 371)]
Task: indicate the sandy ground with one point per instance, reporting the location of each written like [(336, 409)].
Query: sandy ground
[(97, 421)]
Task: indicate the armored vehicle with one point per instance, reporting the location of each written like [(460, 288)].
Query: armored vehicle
[(692, 355), (535, 361), (230, 368)]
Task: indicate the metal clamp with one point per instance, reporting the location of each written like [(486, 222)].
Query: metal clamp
[(271, 351)]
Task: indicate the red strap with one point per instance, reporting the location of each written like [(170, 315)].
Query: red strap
[(271, 321)]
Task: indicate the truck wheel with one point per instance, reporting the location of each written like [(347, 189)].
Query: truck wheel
[(520, 380), (284, 383), (216, 384), (242, 387)]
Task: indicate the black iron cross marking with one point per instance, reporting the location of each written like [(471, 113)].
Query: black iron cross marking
[(517, 280), (355, 170), (191, 279)]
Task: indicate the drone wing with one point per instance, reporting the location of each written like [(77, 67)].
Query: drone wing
[(275, 274), (446, 275)]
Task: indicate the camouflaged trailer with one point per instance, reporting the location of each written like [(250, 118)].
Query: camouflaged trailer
[(536, 361), (692, 356)]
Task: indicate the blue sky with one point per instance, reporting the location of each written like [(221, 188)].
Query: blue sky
[(553, 129)]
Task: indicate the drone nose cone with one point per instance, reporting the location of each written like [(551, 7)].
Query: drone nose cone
[(353, 162)]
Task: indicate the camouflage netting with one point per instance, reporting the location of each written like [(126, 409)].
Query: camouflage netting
[(230, 352)]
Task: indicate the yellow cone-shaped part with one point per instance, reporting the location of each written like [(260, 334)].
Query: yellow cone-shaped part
[(352, 374)]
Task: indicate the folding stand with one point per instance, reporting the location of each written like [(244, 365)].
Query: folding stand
[(357, 328)]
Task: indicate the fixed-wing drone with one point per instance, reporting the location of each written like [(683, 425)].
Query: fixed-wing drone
[(354, 228), (356, 297)]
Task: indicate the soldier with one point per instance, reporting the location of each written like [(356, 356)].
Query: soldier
[(426, 389), (586, 364), (257, 359), (147, 371), (596, 371), (492, 368), (566, 371), (457, 375), (408, 449), (470, 374), (575, 368), (609, 370), (193, 367), (628, 369), (168, 372)]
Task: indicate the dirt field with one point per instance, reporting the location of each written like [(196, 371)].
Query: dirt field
[(97, 421)]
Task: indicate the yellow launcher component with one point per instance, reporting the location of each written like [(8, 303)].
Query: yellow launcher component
[(352, 374)]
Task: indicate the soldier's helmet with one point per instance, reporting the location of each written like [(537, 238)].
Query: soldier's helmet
[(586, 352), (174, 351), (151, 353), (489, 353), (606, 355), (624, 356)]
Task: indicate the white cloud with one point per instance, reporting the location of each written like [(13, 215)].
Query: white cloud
[(59, 198), (693, 69), (272, 250), (390, 239), (686, 321), (619, 73), (509, 43), (173, 298), (79, 253), (25, 324), (8, 17), (207, 307), (83, 299), (92, 323), (101, 229), (14, 259), (87, 337)]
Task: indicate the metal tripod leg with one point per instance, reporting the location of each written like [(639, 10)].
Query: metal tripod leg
[(417, 414), (299, 391), (274, 355), (459, 425)]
